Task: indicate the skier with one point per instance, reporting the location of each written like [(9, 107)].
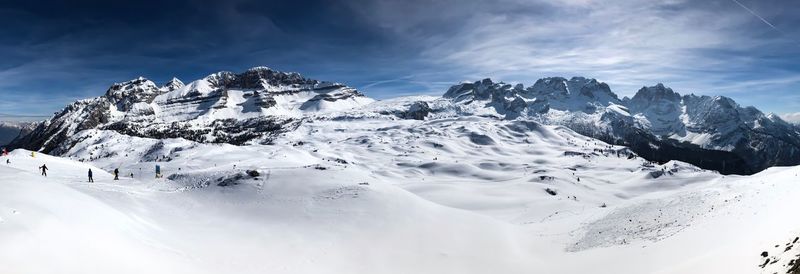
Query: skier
[(44, 170), (158, 171), (116, 174), (91, 180), (8, 161)]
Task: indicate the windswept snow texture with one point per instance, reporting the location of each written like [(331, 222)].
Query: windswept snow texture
[(349, 193)]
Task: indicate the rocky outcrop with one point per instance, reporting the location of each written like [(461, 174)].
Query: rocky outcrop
[(78, 116), (417, 111)]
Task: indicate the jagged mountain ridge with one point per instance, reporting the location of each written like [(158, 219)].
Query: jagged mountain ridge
[(658, 123), (223, 107), (258, 105)]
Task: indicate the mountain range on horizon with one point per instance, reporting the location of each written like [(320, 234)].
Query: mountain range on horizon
[(255, 106), (397, 137)]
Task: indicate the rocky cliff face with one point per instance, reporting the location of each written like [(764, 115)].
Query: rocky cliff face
[(223, 107)]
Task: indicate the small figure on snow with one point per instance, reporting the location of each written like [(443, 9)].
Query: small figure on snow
[(116, 174), (44, 170), (91, 180)]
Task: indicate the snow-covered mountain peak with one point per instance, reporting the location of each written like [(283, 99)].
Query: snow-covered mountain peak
[(260, 68), (657, 121), (139, 84), (224, 107), (576, 94), (656, 93), (478, 90), (725, 102), (259, 78), (172, 84), (255, 105), (550, 86), (124, 95), (559, 88)]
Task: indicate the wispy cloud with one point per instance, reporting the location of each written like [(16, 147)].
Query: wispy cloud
[(694, 46), (395, 47)]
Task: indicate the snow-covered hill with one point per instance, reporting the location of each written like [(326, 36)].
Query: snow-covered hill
[(370, 194)]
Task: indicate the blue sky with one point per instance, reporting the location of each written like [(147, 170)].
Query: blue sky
[(55, 52)]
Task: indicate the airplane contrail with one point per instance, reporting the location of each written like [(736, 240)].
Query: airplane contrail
[(785, 35), (757, 16)]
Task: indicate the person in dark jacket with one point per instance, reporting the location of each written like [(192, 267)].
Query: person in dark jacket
[(116, 174), (44, 170), (91, 180)]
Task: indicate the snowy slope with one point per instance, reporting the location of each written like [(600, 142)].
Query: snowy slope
[(327, 223), (371, 195), (270, 172)]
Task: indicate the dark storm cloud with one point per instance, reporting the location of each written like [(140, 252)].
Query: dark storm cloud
[(54, 52)]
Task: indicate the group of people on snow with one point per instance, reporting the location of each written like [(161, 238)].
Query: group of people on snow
[(116, 175), (43, 168)]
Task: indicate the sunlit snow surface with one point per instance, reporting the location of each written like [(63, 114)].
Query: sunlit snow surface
[(373, 195)]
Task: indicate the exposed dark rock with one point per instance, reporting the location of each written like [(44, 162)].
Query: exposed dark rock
[(253, 173), (417, 111), (230, 180)]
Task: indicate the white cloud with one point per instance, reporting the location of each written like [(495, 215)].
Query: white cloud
[(791, 117), (629, 43), (691, 46)]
